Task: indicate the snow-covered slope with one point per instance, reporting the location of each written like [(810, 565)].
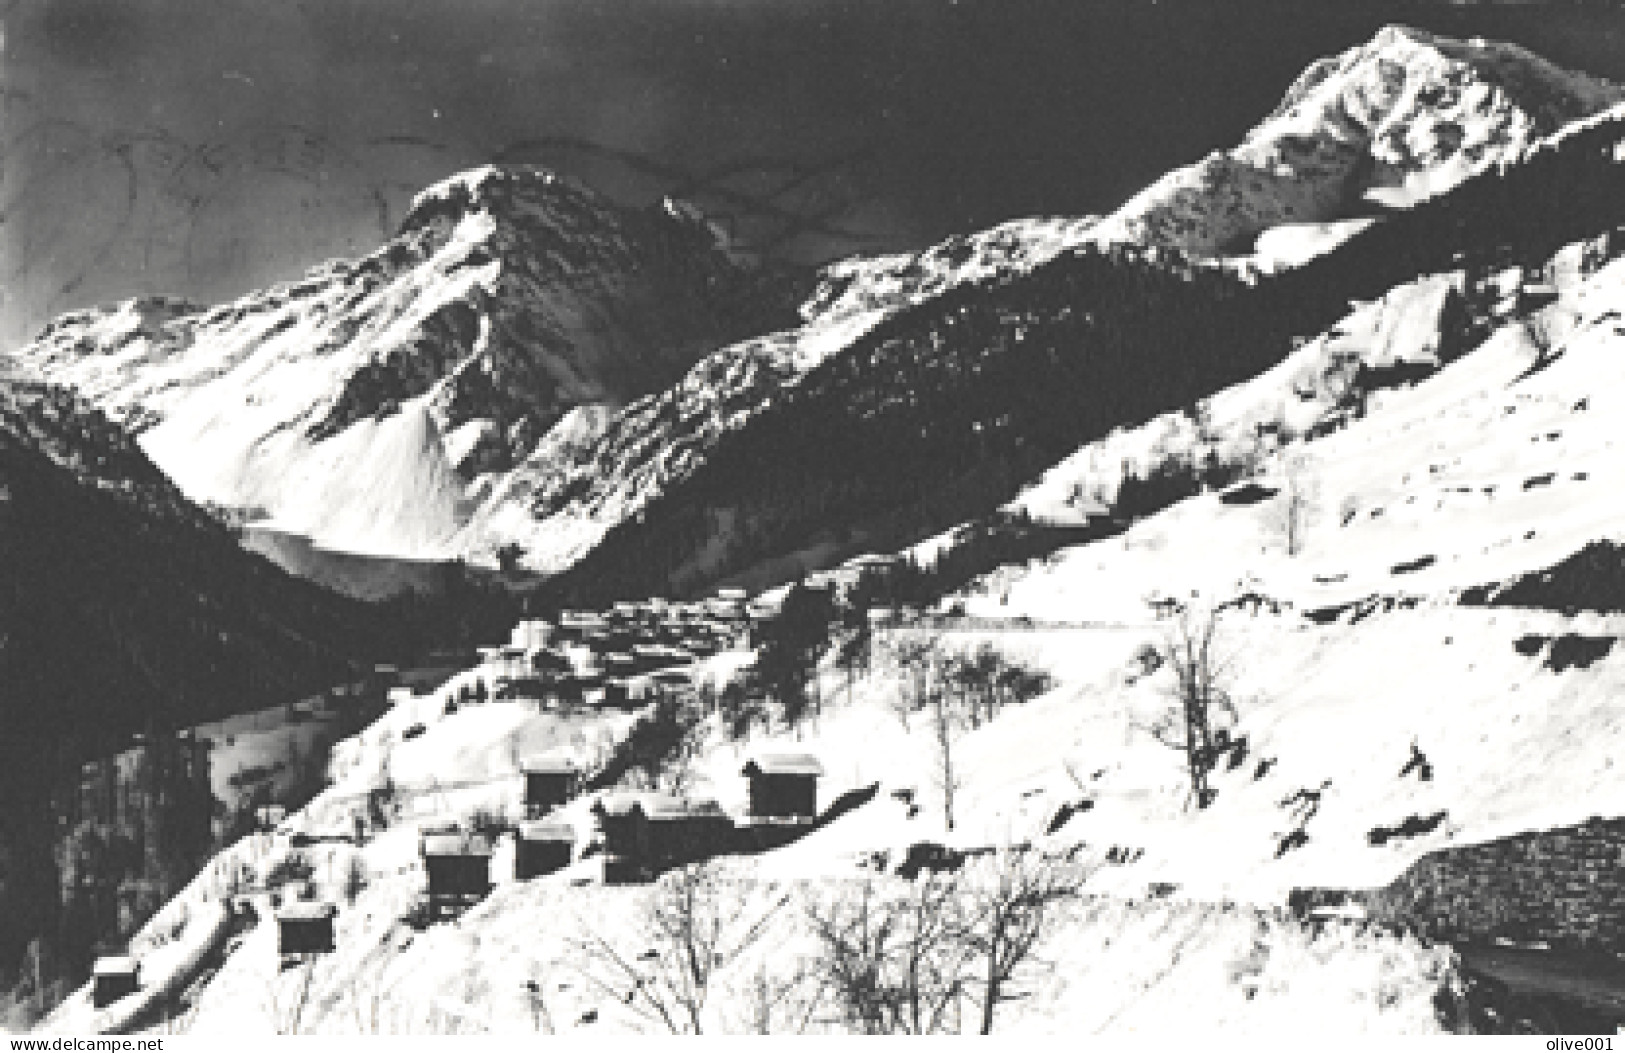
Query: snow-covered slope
[(356, 404), (1407, 86), (512, 303), (1398, 119), (525, 959), (1368, 634), (1348, 657), (1396, 488), (1504, 455)]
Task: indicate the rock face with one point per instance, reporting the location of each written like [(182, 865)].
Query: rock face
[(508, 299), (1398, 119)]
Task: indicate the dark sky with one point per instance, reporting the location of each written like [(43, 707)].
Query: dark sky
[(203, 148)]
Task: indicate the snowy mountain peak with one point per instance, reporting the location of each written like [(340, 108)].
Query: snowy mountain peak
[(493, 190), (1417, 100), (508, 298), (1385, 124)]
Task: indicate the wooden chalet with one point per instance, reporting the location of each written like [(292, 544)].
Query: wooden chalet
[(458, 868), (620, 820), (684, 830), (542, 848), (783, 787), (305, 928), (112, 978), (1533, 295), (645, 834), (550, 781)]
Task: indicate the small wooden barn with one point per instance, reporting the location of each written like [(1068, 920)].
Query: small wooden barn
[(458, 868), (783, 787), (305, 928), (644, 834), (620, 819), (112, 978), (542, 848), (684, 830), (550, 781)]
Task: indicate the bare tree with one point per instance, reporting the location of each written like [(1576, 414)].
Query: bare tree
[(945, 728), (987, 681), (368, 995), (779, 1004), (698, 923), (677, 774), (541, 1019), (288, 1007), (918, 658), (1203, 713), (1010, 915), (1296, 506), (891, 958), (855, 935), (972, 677)]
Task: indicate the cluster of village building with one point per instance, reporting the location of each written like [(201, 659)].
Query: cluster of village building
[(623, 654), (640, 835)]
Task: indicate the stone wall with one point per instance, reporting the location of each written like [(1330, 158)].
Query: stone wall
[(1564, 886)]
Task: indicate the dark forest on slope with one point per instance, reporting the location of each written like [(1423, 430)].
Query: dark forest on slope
[(945, 410), (124, 608)]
